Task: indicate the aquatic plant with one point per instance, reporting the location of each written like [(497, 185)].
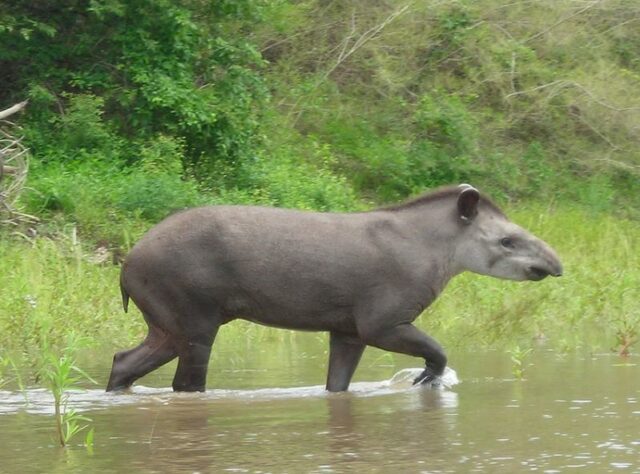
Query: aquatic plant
[(4, 363), (61, 374), (626, 336), (518, 357), (7, 364)]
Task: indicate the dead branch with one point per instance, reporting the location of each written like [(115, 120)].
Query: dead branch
[(347, 49), (14, 166), (6, 169), (591, 127), (563, 84), (365, 37), (13, 109), (534, 89), (513, 71), (560, 21), (635, 169)]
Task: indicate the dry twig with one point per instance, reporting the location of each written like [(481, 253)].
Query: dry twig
[(348, 46), (13, 169), (560, 21)]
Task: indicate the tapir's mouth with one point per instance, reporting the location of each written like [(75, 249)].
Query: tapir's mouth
[(537, 273)]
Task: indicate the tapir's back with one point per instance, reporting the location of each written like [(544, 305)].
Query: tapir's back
[(254, 238), (280, 267)]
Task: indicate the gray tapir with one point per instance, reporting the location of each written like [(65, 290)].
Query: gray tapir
[(363, 276)]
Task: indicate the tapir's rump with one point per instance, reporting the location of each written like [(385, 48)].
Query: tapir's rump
[(364, 277)]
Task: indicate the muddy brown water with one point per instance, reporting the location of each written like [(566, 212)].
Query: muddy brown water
[(572, 413)]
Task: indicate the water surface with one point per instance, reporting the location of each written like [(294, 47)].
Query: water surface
[(571, 413)]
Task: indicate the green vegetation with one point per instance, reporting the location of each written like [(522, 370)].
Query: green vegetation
[(61, 374), (139, 108), (51, 288), (518, 359)]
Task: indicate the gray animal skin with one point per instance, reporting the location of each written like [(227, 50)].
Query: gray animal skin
[(364, 277)]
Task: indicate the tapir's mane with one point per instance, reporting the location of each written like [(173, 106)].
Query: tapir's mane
[(446, 192)]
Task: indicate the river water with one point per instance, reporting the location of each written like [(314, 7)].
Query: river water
[(571, 413)]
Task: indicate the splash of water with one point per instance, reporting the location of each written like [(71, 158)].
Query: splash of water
[(40, 401), (406, 377)]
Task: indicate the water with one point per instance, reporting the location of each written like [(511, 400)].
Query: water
[(570, 413)]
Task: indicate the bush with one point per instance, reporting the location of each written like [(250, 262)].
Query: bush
[(180, 69), (153, 197), (288, 180), (104, 200)]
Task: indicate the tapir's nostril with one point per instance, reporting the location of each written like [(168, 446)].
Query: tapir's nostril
[(537, 273)]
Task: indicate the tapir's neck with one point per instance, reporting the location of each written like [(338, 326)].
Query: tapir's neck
[(431, 237)]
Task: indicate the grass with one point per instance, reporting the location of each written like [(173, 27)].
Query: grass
[(51, 289)]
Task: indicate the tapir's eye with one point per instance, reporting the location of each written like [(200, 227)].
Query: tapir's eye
[(507, 242)]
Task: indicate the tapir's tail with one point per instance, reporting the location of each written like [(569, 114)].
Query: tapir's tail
[(125, 296)]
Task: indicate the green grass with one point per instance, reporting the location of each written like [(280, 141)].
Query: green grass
[(51, 291)]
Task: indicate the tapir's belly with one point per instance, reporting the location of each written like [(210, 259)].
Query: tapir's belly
[(308, 305)]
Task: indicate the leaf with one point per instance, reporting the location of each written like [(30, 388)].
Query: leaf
[(88, 440)]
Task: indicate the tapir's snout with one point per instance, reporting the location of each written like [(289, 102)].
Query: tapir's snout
[(555, 265), (557, 271), (549, 265)]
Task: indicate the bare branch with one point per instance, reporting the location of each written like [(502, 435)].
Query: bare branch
[(513, 71), (12, 110), (361, 41), (562, 84), (14, 167), (560, 21), (345, 53), (295, 35), (528, 91), (600, 102), (619, 164), (613, 146), (6, 169)]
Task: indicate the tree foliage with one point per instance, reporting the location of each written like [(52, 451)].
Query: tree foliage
[(324, 105), (527, 99), (116, 74)]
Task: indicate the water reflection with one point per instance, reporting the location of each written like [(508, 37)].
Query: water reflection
[(343, 438), (570, 412), (354, 430)]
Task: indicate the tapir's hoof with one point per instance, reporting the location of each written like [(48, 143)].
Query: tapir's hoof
[(118, 385), (427, 377)]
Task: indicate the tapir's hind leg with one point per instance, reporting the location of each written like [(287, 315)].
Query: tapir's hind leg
[(344, 354), (193, 362), (157, 349)]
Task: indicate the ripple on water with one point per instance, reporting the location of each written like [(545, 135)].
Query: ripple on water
[(621, 465), (40, 401)]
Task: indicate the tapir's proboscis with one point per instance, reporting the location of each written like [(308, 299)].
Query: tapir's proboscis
[(362, 276)]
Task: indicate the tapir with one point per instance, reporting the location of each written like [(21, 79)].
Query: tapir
[(363, 276)]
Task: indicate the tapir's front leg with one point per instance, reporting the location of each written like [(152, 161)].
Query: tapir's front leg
[(344, 354), (407, 339)]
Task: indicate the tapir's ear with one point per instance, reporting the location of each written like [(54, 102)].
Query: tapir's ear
[(468, 203)]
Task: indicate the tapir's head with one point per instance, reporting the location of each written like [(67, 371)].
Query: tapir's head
[(490, 244)]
